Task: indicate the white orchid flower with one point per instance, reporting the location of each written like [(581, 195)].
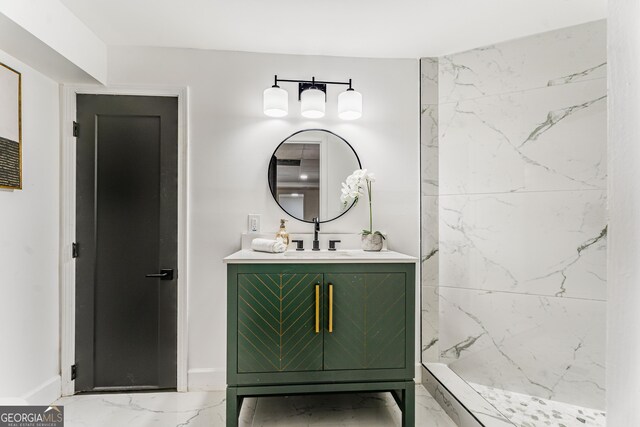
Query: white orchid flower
[(353, 188)]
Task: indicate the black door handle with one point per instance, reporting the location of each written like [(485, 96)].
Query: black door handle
[(165, 274)]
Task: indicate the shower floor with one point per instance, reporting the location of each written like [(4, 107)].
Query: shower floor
[(529, 411)]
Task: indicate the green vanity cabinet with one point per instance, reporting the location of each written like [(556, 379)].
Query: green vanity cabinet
[(369, 316), (276, 321), (300, 328)]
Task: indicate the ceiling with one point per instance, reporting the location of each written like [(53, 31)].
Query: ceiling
[(358, 28), (309, 156)]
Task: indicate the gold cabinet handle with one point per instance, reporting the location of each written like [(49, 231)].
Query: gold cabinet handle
[(330, 307), (317, 308)]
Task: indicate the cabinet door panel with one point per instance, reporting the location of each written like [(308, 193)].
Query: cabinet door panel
[(276, 323), (368, 321)]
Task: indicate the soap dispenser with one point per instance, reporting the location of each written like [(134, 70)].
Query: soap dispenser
[(282, 233)]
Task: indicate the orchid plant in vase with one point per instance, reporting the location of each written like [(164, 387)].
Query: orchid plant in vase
[(352, 189)]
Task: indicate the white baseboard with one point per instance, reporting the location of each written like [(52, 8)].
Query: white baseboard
[(46, 393), (207, 379), (418, 373)]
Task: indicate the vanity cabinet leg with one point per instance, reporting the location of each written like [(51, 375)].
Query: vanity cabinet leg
[(409, 405), (233, 407)]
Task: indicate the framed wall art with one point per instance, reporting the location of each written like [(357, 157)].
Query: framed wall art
[(10, 128)]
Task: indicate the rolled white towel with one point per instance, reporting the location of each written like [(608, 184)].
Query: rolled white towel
[(268, 245)]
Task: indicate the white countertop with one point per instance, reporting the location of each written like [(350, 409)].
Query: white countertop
[(341, 256)]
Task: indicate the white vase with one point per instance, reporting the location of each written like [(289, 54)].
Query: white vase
[(371, 242)]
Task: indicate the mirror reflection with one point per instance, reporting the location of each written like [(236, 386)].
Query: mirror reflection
[(306, 171)]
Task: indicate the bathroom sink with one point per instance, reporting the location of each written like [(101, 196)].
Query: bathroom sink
[(248, 256), (317, 254)]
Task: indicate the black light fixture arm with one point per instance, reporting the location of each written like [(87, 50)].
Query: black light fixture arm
[(312, 81), (310, 84)]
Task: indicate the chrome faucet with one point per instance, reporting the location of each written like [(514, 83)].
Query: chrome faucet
[(316, 229)]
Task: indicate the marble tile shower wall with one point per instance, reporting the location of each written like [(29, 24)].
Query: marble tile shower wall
[(514, 214), (430, 215)]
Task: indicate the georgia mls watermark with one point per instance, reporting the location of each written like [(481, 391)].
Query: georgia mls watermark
[(31, 416)]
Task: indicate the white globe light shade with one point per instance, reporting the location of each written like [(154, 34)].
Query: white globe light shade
[(275, 102), (313, 103), (350, 105)]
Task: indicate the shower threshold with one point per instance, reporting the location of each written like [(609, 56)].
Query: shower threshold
[(476, 405)]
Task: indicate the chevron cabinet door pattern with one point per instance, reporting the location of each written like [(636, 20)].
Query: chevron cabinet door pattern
[(369, 315), (277, 322)]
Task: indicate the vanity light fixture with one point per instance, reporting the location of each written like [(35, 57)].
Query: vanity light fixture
[(350, 104), (275, 101), (312, 103), (312, 95), (304, 177)]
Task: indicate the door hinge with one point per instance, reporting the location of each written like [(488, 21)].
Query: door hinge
[(76, 129), (74, 371), (74, 250)]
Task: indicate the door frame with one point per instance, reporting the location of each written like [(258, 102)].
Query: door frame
[(67, 267)]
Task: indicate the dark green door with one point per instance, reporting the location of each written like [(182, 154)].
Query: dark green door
[(368, 321), (277, 319), (126, 230)]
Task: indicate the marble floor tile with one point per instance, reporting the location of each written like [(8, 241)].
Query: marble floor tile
[(194, 409), (199, 409), (530, 411)]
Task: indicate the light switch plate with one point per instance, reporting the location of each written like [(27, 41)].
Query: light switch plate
[(254, 223)]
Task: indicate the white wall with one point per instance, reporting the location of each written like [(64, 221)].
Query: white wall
[(29, 335), (623, 328), (231, 141)]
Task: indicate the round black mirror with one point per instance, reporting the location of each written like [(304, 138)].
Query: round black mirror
[(306, 173)]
